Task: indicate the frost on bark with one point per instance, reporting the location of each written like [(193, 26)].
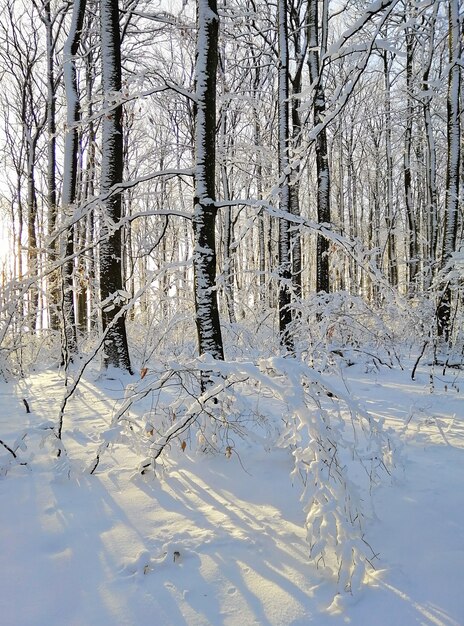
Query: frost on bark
[(285, 264), (322, 157), (68, 200), (116, 352), (453, 163), (204, 212)]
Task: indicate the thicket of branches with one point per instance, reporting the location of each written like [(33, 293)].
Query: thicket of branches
[(333, 158)]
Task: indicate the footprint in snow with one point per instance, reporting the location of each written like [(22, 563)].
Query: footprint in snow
[(143, 564)]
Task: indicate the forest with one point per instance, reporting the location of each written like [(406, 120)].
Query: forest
[(221, 221)]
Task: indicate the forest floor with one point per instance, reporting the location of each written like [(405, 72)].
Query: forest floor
[(219, 540)]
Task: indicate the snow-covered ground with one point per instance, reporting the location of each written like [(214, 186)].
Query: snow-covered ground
[(220, 540)]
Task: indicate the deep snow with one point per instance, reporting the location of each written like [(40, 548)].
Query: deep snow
[(221, 540)]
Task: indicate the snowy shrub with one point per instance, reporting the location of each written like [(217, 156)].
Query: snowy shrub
[(340, 327), (340, 452)]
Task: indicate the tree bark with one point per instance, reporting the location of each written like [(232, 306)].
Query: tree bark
[(392, 265), (411, 235), (52, 210), (71, 147), (322, 157), (285, 264), (204, 211), (431, 203), (299, 48), (113, 298), (453, 164)]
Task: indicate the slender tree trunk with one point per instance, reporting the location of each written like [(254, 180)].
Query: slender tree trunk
[(299, 46), (52, 210), (257, 139), (453, 164), (431, 203), (261, 217), (113, 298), (411, 235), (70, 176), (204, 212), (32, 233), (90, 259), (228, 260), (392, 265), (285, 267), (322, 157)]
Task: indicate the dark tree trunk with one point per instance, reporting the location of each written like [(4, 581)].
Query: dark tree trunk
[(52, 210), (299, 47), (204, 212), (285, 265), (116, 352), (70, 177), (453, 165), (389, 211), (413, 260), (322, 157), (431, 207), (32, 255)]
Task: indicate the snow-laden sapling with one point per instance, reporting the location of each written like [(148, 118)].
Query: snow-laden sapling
[(340, 451)]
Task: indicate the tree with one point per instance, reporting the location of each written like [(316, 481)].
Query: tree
[(322, 157), (21, 54), (412, 245), (69, 193), (297, 15), (285, 264), (453, 162), (431, 194), (204, 211), (113, 296)]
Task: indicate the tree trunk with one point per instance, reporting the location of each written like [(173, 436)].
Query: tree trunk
[(322, 157), (70, 177), (453, 164), (411, 234), (431, 203), (228, 259), (285, 266), (392, 265), (204, 212), (116, 351), (32, 259), (299, 47), (53, 288)]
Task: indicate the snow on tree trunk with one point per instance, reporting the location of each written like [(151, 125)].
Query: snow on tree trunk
[(299, 47), (71, 147), (53, 290), (204, 213), (285, 265), (431, 208), (411, 234), (322, 158), (453, 162), (113, 296)]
